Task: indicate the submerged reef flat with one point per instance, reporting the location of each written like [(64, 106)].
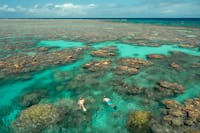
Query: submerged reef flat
[(183, 118), (92, 31), (109, 51), (150, 72), (23, 63), (36, 118)]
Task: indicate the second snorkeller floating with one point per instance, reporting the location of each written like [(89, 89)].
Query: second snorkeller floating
[(109, 102)]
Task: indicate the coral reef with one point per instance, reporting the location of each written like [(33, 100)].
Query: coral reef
[(94, 66), (178, 115), (60, 76), (178, 118), (32, 98), (17, 64), (95, 31), (130, 66), (138, 122), (84, 81), (155, 56), (127, 89), (175, 66), (196, 65), (169, 88), (105, 52), (125, 70), (131, 83), (75, 115), (36, 118), (67, 103), (134, 62)]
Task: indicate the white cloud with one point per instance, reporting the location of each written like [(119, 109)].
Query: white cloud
[(92, 5), (168, 11), (180, 9), (20, 9), (67, 6), (52, 10), (144, 8), (6, 8)]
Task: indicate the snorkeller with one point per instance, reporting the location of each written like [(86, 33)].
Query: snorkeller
[(81, 103), (109, 102)]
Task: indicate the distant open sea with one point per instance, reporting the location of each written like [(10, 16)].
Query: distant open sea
[(186, 22)]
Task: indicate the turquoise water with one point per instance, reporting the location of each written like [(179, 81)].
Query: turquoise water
[(132, 50), (193, 90), (59, 43), (126, 50), (77, 82)]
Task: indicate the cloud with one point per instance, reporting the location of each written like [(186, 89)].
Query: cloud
[(141, 8), (51, 10), (60, 10), (6, 8), (20, 9), (159, 8), (67, 6), (178, 8)]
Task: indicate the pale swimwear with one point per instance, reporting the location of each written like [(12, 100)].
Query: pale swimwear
[(81, 103), (109, 102)]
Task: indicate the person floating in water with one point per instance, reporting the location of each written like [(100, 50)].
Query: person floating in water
[(109, 102), (81, 103)]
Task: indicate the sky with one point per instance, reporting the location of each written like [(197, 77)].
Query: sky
[(99, 8)]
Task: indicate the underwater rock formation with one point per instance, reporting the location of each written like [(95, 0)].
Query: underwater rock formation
[(130, 66), (96, 31), (60, 76), (105, 52), (43, 49), (187, 114), (134, 62), (123, 88), (155, 56), (32, 98), (126, 70), (138, 122), (169, 88), (196, 65), (36, 118), (83, 81), (94, 66), (178, 118), (171, 104), (74, 116), (186, 45), (175, 66), (22, 63), (67, 103)]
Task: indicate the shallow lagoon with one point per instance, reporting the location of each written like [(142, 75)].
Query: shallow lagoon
[(101, 118)]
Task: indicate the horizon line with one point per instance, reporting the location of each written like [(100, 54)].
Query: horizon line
[(101, 18)]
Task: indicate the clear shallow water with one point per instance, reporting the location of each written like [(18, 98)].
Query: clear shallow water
[(59, 43), (127, 50), (193, 90), (103, 118)]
